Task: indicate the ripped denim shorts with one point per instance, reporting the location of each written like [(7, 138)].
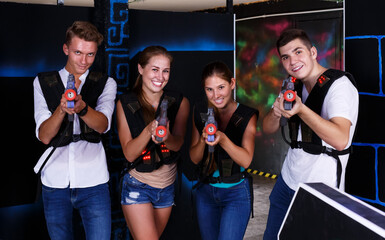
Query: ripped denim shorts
[(136, 192)]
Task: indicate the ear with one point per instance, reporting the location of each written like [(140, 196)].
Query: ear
[(65, 49), (140, 69), (313, 52), (232, 83)]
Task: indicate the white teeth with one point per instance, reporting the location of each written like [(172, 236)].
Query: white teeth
[(218, 101), (297, 68), (158, 84)]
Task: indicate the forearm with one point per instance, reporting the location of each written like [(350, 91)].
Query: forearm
[(270, 123), (174, 143), (95, 120), (334, 131), (133, 149), (197, 150), (238, 154), (50, 127)]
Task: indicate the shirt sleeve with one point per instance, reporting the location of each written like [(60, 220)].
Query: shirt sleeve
[(342, 100), (41, 111), (106, 101)]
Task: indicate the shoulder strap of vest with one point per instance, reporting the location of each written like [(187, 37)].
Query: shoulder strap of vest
[(93, 87), (200, 114), (52, 88), (131, 107)]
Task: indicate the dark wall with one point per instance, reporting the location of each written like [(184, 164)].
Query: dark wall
[(34, 44), (365, 174)]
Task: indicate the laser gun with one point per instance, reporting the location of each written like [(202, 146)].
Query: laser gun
[(289, 96), (70, 91), (211, 127), (161, 130), (288, 93)]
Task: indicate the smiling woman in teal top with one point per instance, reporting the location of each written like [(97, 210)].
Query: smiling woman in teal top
[(223, 192)]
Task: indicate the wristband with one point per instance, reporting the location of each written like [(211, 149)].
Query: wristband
[(83, 111)]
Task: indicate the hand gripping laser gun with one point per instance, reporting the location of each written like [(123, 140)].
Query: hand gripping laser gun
[(70, 93), (288, 93), (161, 130), (289, 96), (211, 127)]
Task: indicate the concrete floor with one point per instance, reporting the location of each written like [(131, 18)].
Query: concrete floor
[(262, 188)]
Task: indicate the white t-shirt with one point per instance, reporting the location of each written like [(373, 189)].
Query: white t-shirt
[(301, 167)]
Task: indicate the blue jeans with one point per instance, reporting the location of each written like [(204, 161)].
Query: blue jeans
[(223, 213), (94, 206), (280, 199)]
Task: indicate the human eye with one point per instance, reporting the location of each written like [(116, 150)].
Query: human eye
[(283, 58), (155, 70), (208, 89), (77, 52), (91, 54)]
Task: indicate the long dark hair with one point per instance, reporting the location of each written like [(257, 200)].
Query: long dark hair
[(144, 58)]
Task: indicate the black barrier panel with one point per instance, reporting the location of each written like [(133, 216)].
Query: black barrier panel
[(357, 55), (370, 127), (360, 172), (364, 19), (381, 173), (321, 212)]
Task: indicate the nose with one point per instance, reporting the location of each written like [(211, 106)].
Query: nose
[(83, 59), (215, 93), (160, 75), (293, 60)]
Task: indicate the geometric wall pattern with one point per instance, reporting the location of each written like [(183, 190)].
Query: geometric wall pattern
[(365, 175)]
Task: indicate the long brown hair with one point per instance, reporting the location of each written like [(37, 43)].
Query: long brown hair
[(221, 70), (144, 58)]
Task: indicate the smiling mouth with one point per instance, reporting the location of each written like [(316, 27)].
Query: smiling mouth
[(296, 69), (157, 84), (218, 101)]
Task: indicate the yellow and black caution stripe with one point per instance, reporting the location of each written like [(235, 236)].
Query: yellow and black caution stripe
[(262, 174)]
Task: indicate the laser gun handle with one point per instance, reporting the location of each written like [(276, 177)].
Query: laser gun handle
[(211, 127), (70, 94), (161, 130)]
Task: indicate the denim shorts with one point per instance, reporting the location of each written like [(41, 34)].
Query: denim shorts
[(136, 192)]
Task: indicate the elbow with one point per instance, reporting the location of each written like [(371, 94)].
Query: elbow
[(341, 146), (44, 140), (246, 164), (268, 129)]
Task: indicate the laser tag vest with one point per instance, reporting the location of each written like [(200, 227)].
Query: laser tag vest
[(53, 88), (154, 155), (311, 142), (229, 171)]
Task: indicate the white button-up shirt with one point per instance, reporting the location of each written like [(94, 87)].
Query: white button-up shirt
[(80, 164)]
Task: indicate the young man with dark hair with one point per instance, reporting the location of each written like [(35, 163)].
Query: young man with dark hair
[(75, 175), (321, 123)]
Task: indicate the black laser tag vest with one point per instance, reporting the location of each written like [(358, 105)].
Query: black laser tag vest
[(53, 88), (311, 142), (229, 171), (148, 161)]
